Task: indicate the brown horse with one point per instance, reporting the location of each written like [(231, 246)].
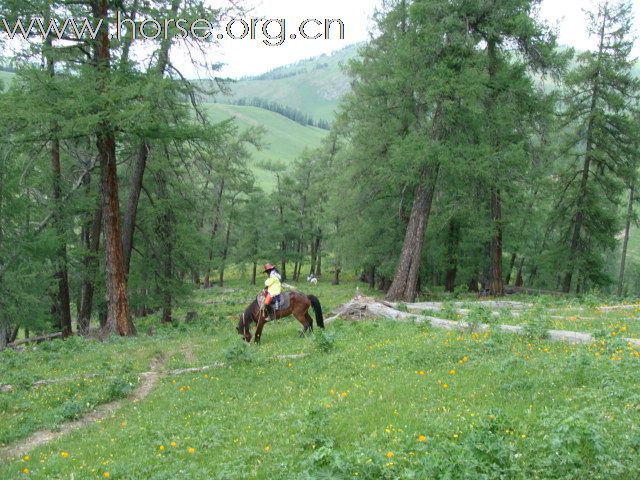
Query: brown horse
[(299, 305)]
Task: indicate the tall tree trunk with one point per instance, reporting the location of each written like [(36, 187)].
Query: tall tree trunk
[(90, 262), (582, 195), (318, 273), (625, 242), (63, 301), (225, 252), (312, 270), (370, 277), (214, 231), (118, 315), (254, 272), (497, 287), (14, 334), (405, 279), (284, 263), (298, 265), (452, 262), (129, 221), (512, 263), (519, 280), (450, 282), (336, 276), (130, 214), (166, 235), (4, 335)]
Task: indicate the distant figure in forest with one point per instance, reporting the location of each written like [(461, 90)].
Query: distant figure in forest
[(312, 279)]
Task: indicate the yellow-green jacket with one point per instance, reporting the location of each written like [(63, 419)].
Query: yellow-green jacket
[(274, 287)]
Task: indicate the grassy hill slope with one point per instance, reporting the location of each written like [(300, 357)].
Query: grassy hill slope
[(313, 86), (283, 141), (5, 78)]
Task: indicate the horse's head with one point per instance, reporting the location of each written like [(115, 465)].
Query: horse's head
[(244, 322)]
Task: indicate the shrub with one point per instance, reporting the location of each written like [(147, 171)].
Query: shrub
[(537, 324), (324, 341), (239, 352)]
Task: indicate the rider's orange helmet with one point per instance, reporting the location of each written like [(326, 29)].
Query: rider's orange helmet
[(268, 267)]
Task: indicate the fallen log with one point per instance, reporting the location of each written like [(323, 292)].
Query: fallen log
[(613, 308), (352, 308), (365, 305), (533, 291), (438, 306), (41, 338)]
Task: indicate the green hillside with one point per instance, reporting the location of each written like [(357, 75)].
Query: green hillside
[(313, 86), (5, 78), (283, 141)]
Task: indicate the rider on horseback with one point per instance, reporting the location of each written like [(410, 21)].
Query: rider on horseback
[(273, 289)]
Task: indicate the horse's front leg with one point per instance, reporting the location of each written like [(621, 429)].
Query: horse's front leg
[(261, 323)]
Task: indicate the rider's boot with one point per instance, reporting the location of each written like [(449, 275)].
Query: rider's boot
[(270, 313)]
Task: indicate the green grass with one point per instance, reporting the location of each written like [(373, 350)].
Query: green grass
[(27, 409), (370, 399), (283, 141)]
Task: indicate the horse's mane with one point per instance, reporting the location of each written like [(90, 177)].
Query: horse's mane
[(247, 316)]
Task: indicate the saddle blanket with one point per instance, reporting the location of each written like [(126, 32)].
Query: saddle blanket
[(283, 304)]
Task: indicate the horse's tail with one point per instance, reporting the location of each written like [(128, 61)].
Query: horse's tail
[(317, 309)]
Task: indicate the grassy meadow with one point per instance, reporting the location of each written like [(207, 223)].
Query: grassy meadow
[(363, 399)]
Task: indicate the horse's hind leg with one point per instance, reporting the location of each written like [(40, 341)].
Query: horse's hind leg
[(309, 320), (306, 322)]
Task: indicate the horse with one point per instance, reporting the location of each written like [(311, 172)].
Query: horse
[(299, 305)]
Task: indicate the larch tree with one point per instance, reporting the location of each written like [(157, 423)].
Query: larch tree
[(514, 45), (601, 92)]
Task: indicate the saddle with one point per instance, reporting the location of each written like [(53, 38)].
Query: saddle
[(281, 304)]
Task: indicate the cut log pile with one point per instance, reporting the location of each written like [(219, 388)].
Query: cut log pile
[(364, 307)]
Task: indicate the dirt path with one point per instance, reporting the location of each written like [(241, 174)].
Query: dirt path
[(147, 382)]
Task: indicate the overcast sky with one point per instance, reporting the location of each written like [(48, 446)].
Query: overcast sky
[(249, 57)]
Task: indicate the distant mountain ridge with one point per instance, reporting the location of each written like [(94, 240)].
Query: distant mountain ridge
[(313, 87)]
